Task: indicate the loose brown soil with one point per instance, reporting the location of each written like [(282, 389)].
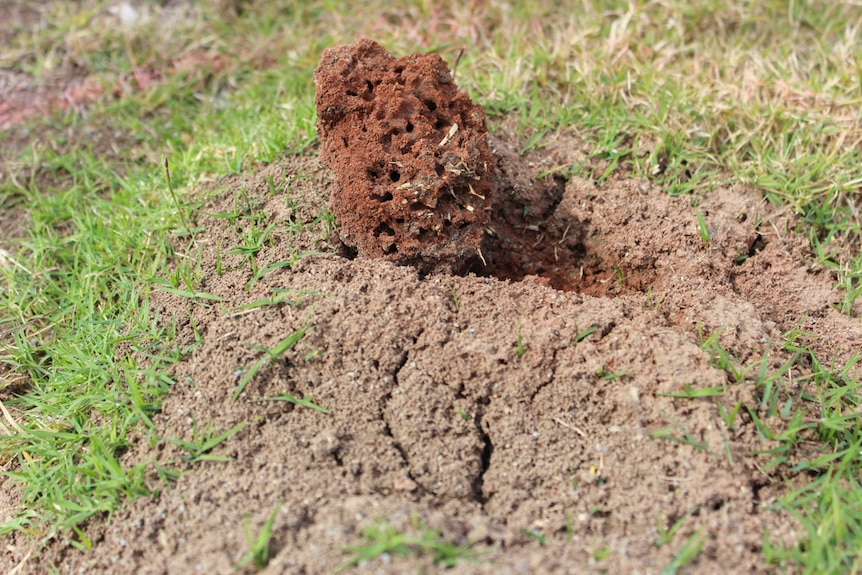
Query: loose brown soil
[(440, 417)]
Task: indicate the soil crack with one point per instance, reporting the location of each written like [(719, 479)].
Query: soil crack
[(487, 453), (384, 407), (552, 374)]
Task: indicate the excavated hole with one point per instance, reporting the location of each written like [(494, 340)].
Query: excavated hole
[(527, 239), (554, 249)]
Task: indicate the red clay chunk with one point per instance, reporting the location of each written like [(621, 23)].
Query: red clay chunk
[(410, 156)]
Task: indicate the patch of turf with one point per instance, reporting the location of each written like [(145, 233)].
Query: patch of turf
[(813, 428)]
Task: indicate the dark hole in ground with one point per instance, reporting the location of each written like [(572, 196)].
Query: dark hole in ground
[(535, 236), (535, 242), (756, 246), (347, 252)]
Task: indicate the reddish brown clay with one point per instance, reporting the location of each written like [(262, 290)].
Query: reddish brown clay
[(409, 153)]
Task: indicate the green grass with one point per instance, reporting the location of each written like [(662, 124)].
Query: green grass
[(702, 229), (204, 441), (666, 535), (816, 426), (519, 341), (691, 95), (269, 355), (302, 402), (82, 399), (381, 538), (687, 552), (259, 546)]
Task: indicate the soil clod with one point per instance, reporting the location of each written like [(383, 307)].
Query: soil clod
[(409, 152)]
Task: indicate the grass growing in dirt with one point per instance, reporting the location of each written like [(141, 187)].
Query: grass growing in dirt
[(383, 539), (688, 94), (258, 553)]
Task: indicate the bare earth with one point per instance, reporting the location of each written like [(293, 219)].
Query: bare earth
[(557, 455)]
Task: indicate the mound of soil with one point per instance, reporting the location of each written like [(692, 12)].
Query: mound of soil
[(546, 428)]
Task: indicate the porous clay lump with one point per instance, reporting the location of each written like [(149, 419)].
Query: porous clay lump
[(409, 152)]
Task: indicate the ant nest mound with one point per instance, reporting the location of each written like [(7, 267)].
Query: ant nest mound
[(410, 156)]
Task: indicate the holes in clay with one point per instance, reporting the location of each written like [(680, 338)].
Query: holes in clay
[(344, 140), (387, 197), (440, 170), (383, 229), (372, 174), (439, 124), (394, 175), (409, 127), (390, 249), (368, 94), (352, 93), (430, 104)]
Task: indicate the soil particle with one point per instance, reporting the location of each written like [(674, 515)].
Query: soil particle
[(409, 153)]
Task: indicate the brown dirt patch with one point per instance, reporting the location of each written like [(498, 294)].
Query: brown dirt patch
[(437, 416)]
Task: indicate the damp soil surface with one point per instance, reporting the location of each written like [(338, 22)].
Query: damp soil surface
[(529, 408)]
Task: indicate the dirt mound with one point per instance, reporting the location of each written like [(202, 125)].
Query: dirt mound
[(409, 154), (548, 429)]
